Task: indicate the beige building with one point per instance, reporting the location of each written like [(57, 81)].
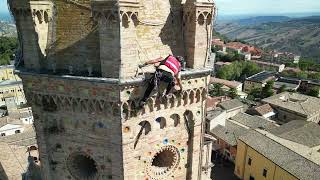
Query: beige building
[(11, 88), (258, 81), (80, 74), (7, 73), (269, 66), (289, 152), (18, 155), (294, 106)]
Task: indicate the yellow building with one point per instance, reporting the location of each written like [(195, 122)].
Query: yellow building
[(7, 73), (11, 88), (262, 156)]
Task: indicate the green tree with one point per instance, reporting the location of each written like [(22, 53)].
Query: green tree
[(250, 69), (255, 93), (8, 46), (233, 93), (282, 88), (267, 90), (302, 75), (314, 92), (238, 70), (314, 75), (218, 89)]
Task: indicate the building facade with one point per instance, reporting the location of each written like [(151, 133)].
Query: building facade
[(294, 106), (274, 156), (11, 87), (258, 81), (80, 74)]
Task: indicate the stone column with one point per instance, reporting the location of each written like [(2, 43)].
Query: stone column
[(32, 20), (197, 32), (117, 23)]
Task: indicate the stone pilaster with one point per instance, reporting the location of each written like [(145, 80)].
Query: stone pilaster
[(33, 19), (118, 46), (197, 20)]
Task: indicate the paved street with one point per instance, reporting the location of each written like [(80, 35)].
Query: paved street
[(220, 172), (223, 171)]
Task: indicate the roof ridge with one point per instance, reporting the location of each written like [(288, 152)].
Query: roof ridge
[(265, 135)]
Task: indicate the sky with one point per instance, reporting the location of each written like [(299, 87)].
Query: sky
[(234, 7), (3, 6)]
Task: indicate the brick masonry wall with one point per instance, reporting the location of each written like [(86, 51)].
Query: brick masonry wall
[(98, 119)]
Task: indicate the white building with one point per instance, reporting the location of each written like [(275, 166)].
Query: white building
[(26, 117), (11, 129)]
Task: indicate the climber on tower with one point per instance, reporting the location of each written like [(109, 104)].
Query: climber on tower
[(167, 70)]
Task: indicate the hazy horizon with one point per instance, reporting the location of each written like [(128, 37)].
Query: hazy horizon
[(250, 7), (267, 7)]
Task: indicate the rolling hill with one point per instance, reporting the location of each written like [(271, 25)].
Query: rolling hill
[(298, 35)]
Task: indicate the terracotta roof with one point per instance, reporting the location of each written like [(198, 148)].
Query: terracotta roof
[(231, 84), (236, 45), (253, 50), (218, 42), (264, 109)]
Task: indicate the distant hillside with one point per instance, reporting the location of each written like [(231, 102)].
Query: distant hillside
[(300, 35), (7, 29), (262, 19)]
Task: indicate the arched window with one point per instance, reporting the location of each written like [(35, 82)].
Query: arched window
[(189, 121), (39, 16), (46, 17), (201, 19), (145, 126), (185, 98), (125, 111), (191, 97), (32, 148), (162, 122), (198, 95), (125, 20), (176, 119), (209, 19)]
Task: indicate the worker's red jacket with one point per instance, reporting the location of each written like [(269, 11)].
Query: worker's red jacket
[(172, 63)]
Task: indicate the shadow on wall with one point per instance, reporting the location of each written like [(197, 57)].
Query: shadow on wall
[(189, 123), (78, 58), (28, 38), (171, 34), (75, 45), (3, 175)]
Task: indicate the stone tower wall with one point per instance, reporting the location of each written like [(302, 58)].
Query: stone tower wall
[(79, 76), (75, 38)]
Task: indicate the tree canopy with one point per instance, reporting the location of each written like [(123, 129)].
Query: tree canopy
[(238, 70), (8, 46)]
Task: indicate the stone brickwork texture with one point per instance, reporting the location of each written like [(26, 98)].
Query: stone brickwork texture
[(79, 70)]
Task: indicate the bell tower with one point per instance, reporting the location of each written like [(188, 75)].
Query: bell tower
[(81, 77)]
